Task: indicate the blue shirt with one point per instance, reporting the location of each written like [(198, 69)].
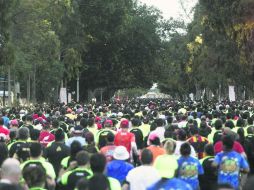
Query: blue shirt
[(172, 184), (188, 170), (118, 169), (6, 121), (230, 164)]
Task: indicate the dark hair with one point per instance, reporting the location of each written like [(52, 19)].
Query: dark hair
[(181, 135), (135, 122), (228, 142), (98, 163), (209, 150), (250, 121), (55, 123), (250, 130), (29, 118), (75, 148), (230, 124), (82, 184), (83, 122), (159, 122), (99, 182), (82, 158), (35, 149), (110, 137), (218, 124), (193, 130), (240, 122), (59, 135), (35, 134), (146, 156), (185, 149), (23, 133), (35, 176), (155, 141)]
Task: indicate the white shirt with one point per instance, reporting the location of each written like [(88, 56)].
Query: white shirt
[(178, 146), (142, 177)]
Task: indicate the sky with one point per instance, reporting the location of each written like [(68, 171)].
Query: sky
[(173, 8)]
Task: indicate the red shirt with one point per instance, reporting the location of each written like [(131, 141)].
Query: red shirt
[(4, 131), (46, 137), (124, 139), (218, 147)]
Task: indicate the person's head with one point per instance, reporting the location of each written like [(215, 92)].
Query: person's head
[(154, 140), (108, 123), (124, 125), (159, 122), (75, 148), (169, 146), (181, 135), (240, 122), (218, 124), (11, 171), (98, 163), (59, 135), (78, 131), (83, 122), (185, 149), (250, 130), (29, 119), (209, 150), (35, 150), (135, 122), (35, 176), (193, 130), (55, 123), (99, 182), (89, 138), (228, 142), (82, 158), (146, 157), (35, 134), (82, 184), (121, 153), (250, 121), (14, 123), (110, 137), (23, 133), (230, 124)]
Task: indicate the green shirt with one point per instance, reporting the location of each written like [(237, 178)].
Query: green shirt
[(114, 184), (46, 165), (166, 165), (65, 177)]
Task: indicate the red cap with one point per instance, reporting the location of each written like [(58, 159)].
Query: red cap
[(108, 122), (124, 123)]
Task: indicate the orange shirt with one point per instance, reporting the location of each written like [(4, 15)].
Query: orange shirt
[(156, 150)]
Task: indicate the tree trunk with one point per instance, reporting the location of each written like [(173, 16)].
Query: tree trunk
[(9, 86)]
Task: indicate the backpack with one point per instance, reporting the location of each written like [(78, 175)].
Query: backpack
[(138, 137), (249, 146), (102, 140), (217, 136)]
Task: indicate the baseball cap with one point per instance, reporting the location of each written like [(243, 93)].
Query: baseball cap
[(124, 123)]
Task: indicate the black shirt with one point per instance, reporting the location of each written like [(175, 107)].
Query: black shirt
[(55, 153)]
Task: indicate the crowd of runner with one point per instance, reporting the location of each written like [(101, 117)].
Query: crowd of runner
[(136, 145)]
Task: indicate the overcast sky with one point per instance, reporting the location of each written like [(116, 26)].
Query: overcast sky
[(173, 8)]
